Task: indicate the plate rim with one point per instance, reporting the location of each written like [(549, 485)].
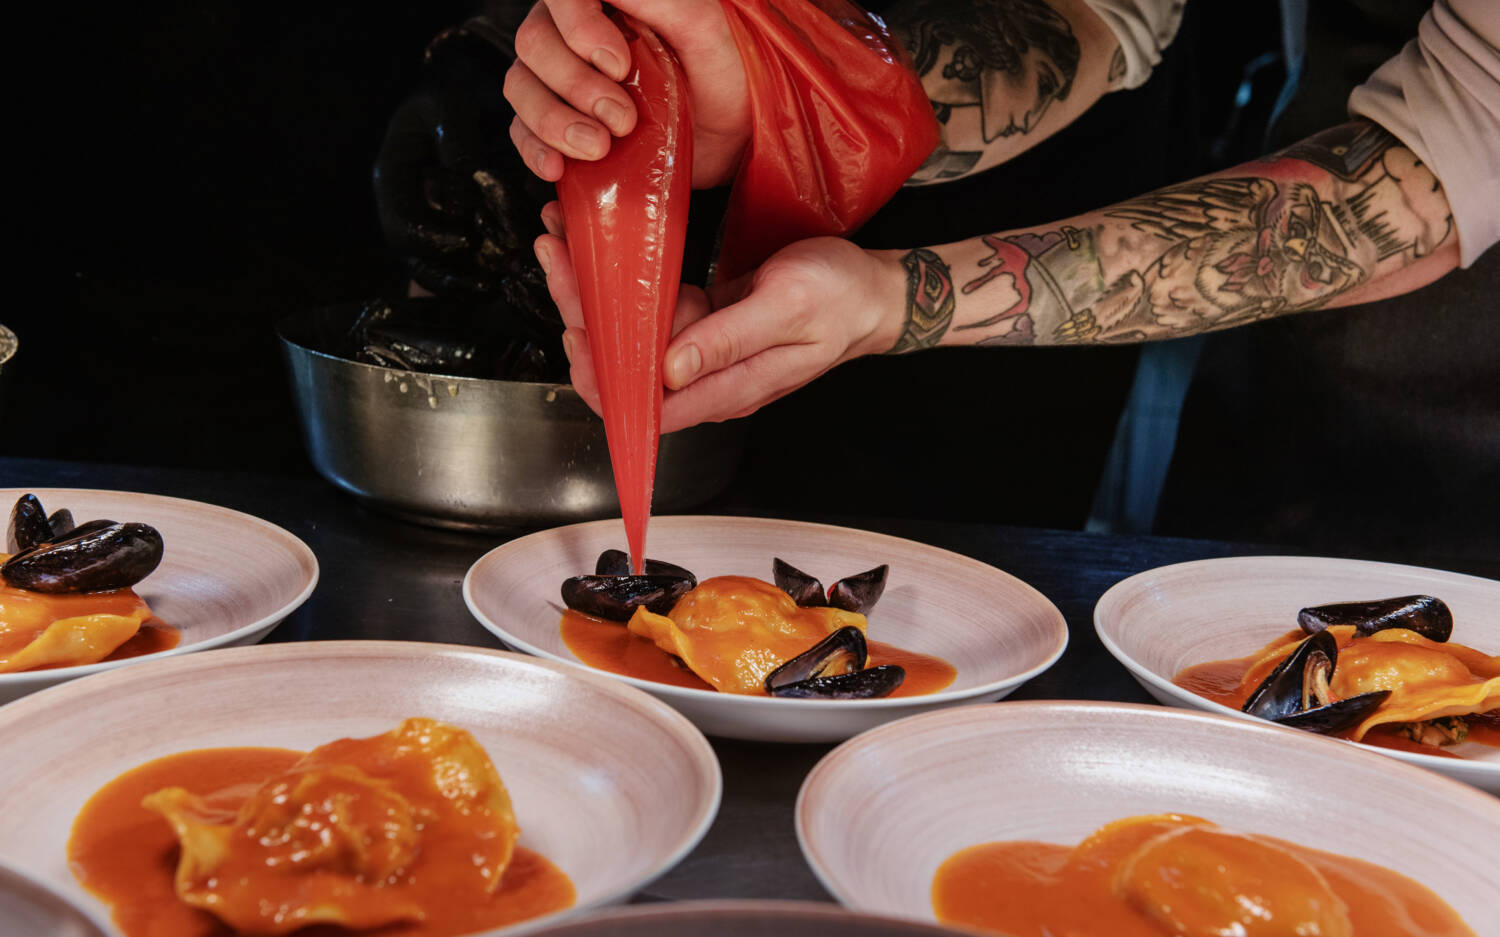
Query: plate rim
[(690, 694), (67, 897), (1192, 701), (1027, 711), (298, 548), (793, 910), (705, 757)]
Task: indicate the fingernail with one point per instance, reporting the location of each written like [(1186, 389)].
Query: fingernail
[(607, 63), (570, 344), (544, 257), (584, 139), (685, 365), (611, 113), (538, 160)]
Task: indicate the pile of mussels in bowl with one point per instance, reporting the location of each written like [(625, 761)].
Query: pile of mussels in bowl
[(457, 414)]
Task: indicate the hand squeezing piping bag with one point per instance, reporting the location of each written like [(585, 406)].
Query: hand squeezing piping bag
[(626, 219), (840, 121)]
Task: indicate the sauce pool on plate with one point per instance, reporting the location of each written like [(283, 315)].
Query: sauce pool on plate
[(128, 855), (610, 646), (109, 625), (1168, 875), (1231, 682)]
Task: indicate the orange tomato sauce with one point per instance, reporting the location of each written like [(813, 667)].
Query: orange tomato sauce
[(609, 645), (1230, 683), (25, 614), (127, 855), (1130, 880)]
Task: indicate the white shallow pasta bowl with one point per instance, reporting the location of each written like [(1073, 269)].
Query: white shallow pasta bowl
[(1163, 620), (741, 919), (225, 578), (29, 906), (609, 784), (996, 630), (879, 814)]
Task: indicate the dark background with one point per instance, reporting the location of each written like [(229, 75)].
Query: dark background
[(205, 169), (197, 170)]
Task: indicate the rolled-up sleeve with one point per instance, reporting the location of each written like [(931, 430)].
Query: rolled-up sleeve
[(1144, 28), (1441, 97)]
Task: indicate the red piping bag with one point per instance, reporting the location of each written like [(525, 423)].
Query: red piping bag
[(840, 122), (626, 220)]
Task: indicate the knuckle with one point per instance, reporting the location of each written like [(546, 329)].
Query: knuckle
[(725, 349), (552, 124), (528, 38)]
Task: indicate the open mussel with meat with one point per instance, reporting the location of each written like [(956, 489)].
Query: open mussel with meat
[(613, 592), (1298, 693), (1382, 671), (834, 668), (54, 556), (1426, 615)]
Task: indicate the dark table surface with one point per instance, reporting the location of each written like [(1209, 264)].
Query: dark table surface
[(384, 578)]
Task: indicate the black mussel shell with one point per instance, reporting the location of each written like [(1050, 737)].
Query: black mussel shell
[(28, 525), (804, 589), (617, 597), (61, 523), (1336, 716), (862, 684), (617, 563), (1280, 694), (87, 527), (1424, 614), (859, 593), (847, 644), (87, 560)]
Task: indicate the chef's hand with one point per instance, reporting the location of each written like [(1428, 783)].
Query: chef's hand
[(815, 304), (570, 59), (454, 198)]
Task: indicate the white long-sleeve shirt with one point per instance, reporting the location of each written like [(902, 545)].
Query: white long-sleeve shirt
[(1440, 97)]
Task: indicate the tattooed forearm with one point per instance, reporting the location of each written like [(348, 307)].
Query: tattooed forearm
[(993, 69), (1297, 231), (929, 300)]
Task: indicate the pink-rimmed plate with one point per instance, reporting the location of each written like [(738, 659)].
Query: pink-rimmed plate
[(612, 786), (878, 815), (225, 578), (29, 906), (996, 630), (1162, 620)]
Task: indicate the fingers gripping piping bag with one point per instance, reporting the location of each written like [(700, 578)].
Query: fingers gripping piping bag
[(839, 123)]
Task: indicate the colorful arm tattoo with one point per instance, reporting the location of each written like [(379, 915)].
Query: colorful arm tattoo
[(1299, 230)]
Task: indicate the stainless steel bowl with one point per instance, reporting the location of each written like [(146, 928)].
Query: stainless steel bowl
[(472, 453)]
